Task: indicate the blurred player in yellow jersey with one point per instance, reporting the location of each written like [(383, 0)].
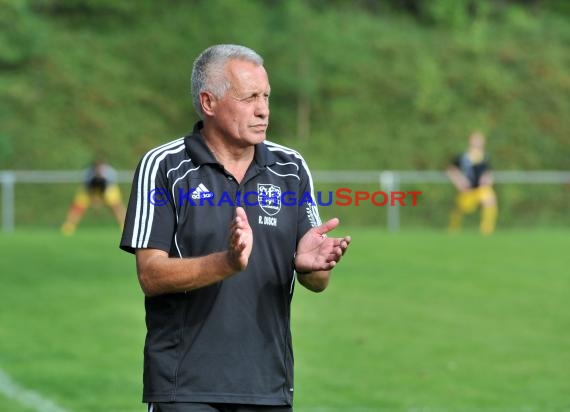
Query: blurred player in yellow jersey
[(471, 176), (100, 187)]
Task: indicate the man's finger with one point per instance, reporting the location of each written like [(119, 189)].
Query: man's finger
[(344, 244), (327, 226)]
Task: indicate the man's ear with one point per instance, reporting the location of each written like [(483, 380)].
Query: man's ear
[(208, 103)]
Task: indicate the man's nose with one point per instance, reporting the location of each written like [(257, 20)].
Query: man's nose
[(262, 108)]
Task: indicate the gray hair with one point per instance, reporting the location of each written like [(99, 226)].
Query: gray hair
[(208, 70)]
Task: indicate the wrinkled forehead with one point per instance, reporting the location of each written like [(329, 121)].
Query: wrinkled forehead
[(246, 75)]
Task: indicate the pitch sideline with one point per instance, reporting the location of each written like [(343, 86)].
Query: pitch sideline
[(26, 397)]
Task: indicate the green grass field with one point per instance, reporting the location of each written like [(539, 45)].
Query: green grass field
[(415, 321)]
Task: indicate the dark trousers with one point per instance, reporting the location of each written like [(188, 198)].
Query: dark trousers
[(214, 407)]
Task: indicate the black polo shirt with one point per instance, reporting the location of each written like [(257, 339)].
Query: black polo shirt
[(472, 171), (229, 342)]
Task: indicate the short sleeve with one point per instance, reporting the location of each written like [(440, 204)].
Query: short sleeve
[(151, 216)]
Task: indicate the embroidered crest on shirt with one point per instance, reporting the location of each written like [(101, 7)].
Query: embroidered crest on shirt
[(269, 198)]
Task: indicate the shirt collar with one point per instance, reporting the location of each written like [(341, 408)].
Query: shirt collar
[(200, 153)]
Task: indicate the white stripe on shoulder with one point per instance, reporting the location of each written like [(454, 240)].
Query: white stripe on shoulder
[(288, 163), (142, 183), (178, 167), (283, 175), (277, 147), (152, 185)]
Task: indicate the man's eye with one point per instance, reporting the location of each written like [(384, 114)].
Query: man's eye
[(254, 98), (249, 99)]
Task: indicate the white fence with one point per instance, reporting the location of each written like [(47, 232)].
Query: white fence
[(387, 179)]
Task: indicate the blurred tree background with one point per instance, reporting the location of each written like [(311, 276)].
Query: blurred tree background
[(398, 83)]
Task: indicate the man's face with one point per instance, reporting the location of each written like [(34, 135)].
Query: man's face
[(242, 114)]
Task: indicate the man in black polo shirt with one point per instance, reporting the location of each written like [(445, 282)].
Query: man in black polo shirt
[(220, 221)]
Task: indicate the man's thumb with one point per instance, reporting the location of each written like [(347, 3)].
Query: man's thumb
[(327, 226)]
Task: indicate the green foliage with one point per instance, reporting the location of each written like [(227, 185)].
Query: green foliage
[(5, 148), (18, 34), (359, 87), (91, 11), (450, 13)]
